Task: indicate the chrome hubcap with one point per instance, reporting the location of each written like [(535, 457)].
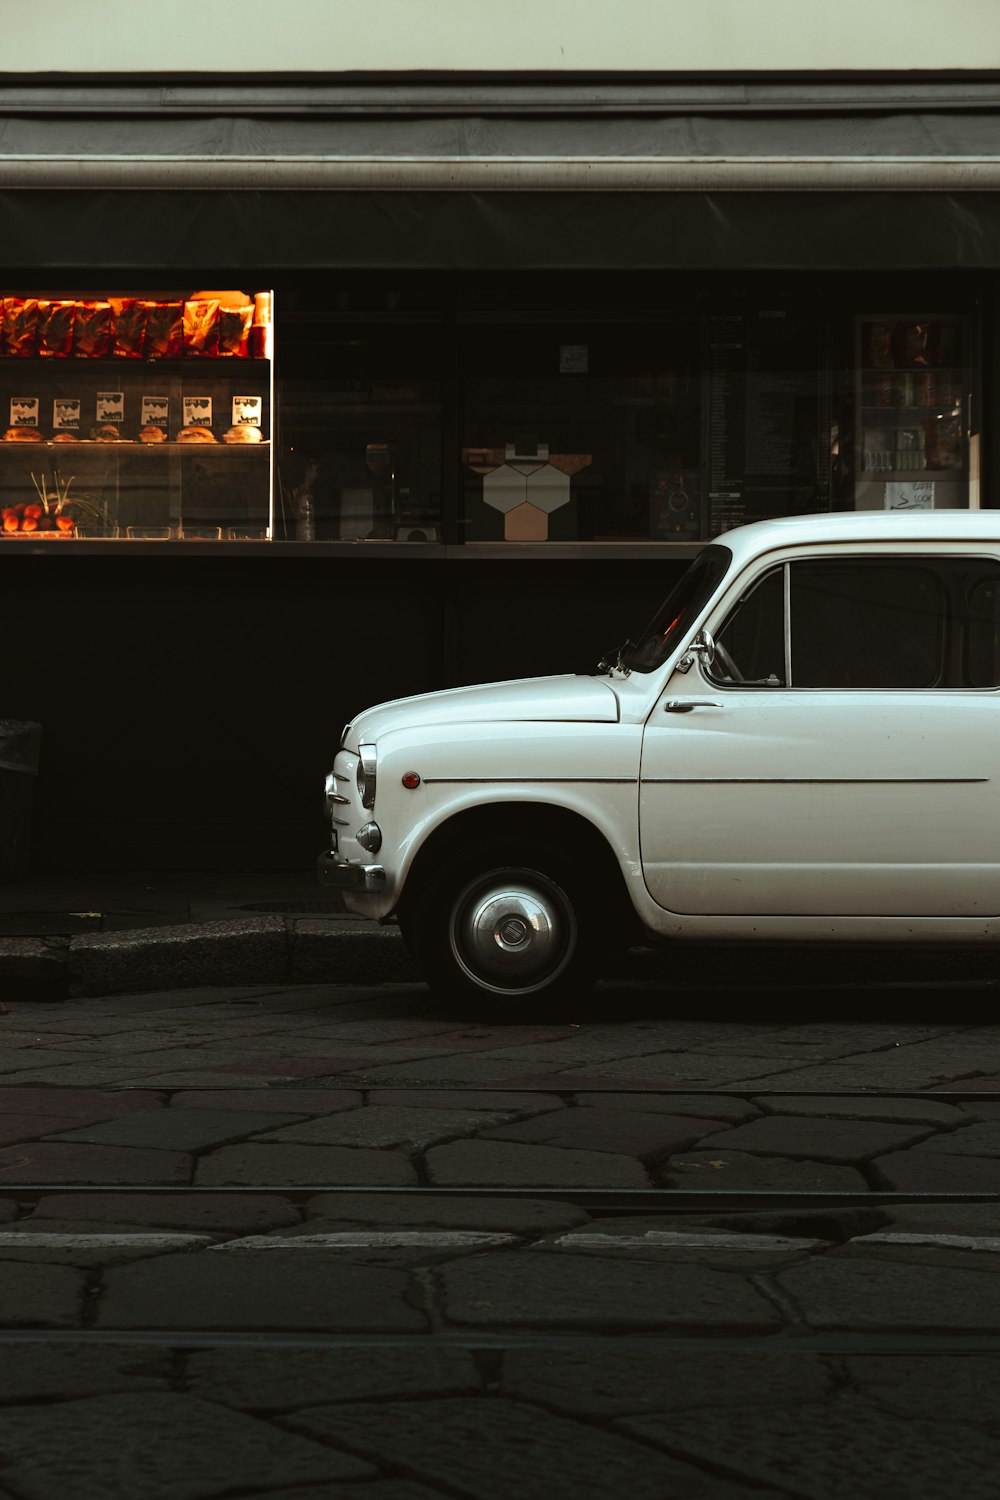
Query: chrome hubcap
[(514, 934)]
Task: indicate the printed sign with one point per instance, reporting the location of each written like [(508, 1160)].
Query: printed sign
[(573, 359), (110, 406), (246, 411), (65, 414), (909, 494), (155, 410), (24, 411), (197, 411)]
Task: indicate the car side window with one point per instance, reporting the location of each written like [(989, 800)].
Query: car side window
[(867, 623), (750, 647), (983, 628)]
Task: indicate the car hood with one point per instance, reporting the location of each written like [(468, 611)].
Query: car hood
[(560, 699)]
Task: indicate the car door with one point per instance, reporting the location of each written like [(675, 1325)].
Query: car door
[(839, 755)]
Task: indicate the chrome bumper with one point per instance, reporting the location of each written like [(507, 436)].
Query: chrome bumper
[(346, 875)]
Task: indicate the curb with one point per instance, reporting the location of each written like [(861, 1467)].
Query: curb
[(247, 950)]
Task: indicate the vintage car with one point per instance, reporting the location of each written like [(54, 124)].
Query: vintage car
[(803, 745)]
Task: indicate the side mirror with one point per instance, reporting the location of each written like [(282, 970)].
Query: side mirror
[(703, 647)]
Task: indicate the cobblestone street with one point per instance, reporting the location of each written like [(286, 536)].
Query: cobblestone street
[(333, 1241)]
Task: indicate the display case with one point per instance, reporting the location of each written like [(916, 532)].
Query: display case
[(137, 417), (914, 386)]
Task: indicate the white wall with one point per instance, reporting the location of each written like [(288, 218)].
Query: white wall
[(212, 36)]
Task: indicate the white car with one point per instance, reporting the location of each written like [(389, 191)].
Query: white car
[(804, 744)]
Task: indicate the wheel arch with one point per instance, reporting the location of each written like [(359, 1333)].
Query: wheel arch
[(568, 832)]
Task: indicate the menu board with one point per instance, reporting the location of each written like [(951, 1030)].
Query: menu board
[(769, 414)]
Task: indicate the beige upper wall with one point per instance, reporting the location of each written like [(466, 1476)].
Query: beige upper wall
[(212, 36)]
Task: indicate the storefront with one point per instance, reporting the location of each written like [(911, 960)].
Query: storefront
[(288, 430)]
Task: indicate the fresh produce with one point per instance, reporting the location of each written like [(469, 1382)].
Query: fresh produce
[(55, 513)]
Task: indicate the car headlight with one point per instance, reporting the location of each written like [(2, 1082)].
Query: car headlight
[(367, 775)]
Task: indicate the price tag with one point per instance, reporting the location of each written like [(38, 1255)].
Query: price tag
[(24, 411), (155, 410), (197, 411), (110, 406), (247, 411), (65, 414)]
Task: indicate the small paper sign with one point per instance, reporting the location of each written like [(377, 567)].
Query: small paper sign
[(573, 359), (910, 494), (110, 406), (65, 414), (197, 411), (155, 410), (24, 411), (246, 411)]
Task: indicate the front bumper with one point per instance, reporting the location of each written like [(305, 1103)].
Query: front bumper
[(348, 875)]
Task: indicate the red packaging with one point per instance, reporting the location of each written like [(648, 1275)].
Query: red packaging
[(234, 331), (128, 327), (201, 329), (164, 330), (20, 326), (92, 330), (55, 329)]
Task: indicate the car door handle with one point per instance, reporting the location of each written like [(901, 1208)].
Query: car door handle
[(685, 705)]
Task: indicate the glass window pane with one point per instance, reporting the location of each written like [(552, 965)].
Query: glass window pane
[(582, 431), (862, 624), (679, 611), (982, 600), (752, 641), (136, 413), (360, 435)]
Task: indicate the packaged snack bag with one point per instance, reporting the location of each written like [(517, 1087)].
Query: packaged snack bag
[(55, 329), (164, 330), (201, 329), (234, 331), (128, 327), (92, 330), (20, 326)]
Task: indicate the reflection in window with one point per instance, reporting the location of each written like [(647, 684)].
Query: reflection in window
[(360, 431), (582, 431), (861, 624)]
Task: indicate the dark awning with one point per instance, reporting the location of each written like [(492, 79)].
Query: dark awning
[(151, 231)]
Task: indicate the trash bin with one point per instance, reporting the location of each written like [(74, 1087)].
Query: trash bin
[(19, 747)]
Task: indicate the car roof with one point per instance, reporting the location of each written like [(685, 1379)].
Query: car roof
[(843, 527)]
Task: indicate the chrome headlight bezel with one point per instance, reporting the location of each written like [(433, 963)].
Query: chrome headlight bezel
[(367, 774)]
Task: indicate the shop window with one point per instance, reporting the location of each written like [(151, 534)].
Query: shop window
[(581, 430), (360, 413), (914, 381), (139, 415)]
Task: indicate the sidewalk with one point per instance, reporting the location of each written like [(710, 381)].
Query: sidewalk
[(68, 935), (65, 934)]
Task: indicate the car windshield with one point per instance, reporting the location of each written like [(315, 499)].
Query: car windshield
[(681, 607)]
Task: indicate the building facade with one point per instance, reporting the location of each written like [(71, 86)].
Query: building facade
[(360, 357)]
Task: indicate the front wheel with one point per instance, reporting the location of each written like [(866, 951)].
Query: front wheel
[(507, 928)]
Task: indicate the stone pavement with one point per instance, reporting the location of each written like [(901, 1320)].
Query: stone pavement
[(329, 1085), (420, 1422), (259, 1311)]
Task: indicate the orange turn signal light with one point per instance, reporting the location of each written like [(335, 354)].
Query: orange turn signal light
[(411, 780)]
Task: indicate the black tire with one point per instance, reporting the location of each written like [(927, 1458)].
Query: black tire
[(510, 926)]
